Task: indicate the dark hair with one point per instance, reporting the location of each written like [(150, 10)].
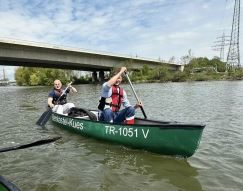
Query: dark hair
[(114, 71)]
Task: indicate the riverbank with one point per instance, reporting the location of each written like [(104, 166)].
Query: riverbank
[(198, 69), (181, 77)]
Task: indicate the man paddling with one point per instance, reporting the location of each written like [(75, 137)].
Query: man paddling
[(112, 98), (57, 94)]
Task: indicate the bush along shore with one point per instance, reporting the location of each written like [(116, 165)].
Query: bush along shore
[(198, 69)]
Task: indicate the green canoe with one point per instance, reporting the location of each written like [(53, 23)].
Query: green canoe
[(6, 185), (167, 138)]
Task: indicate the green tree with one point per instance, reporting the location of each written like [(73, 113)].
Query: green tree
[(34, 80), (40, 76)]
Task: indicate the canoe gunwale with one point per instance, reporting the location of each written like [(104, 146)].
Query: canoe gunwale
[(7, 184), (157, 123), (170, 124)]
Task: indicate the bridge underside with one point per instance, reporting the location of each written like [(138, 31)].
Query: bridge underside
[(14, 53), (59, 65)]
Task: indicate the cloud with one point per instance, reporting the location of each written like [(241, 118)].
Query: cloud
[(152, 29)]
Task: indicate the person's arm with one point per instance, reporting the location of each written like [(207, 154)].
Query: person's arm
[(106, 90), (126, 102), (49, 101), (113, 80), (72, 89)]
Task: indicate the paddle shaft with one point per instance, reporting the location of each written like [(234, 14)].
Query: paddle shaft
[(36, 143), (63, 93), (141, 107)]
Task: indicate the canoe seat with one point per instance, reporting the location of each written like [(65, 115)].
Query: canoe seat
[(82, 113), (83, 117)]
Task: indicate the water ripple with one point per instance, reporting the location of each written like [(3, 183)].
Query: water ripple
[(82, 163)]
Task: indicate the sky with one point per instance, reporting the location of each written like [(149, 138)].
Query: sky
[(157, 29)]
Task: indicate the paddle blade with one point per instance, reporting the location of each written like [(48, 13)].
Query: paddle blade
[(44, 118), (41, 117), (36, 143)]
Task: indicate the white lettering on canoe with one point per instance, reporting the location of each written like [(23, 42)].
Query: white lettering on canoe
[(68, 122), (145, 134), (126, 131), (110, 130)]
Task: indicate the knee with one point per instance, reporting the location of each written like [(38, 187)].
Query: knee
[(107, 112), (130, 111), (106, 115)]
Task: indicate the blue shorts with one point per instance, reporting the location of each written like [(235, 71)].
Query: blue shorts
[(108, 115)]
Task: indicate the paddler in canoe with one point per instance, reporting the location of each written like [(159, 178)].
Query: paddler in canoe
[(57, 97), (57, 102), (112, 98)]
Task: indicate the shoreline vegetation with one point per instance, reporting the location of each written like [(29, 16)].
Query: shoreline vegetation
[(198, 69)]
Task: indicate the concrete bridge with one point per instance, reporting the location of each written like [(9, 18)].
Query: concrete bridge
[(30, 54)]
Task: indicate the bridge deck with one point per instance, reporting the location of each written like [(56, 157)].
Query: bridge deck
[(22, 53)]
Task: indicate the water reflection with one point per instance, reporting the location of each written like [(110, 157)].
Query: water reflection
[(131, 169)]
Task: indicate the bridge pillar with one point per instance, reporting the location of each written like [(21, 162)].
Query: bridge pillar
[(102, 76), (180, 68), (94, 77)]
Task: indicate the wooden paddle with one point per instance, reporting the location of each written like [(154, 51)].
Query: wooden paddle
[(36, 143), (47, 114), (141, 107)]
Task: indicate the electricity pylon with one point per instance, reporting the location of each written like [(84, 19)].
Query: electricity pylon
[(220, 45), (233, 58)]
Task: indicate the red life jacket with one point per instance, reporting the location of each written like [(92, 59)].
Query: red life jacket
[(116, 96)]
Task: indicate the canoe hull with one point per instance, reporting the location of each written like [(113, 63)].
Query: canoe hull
[(168, 139)]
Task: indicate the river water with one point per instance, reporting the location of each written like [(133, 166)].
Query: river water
[(79, 163)]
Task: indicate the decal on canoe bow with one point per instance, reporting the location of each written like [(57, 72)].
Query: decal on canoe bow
[(68, 121)]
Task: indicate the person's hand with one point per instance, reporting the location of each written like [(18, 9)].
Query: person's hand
[(73, 89), (138, 105), (123, 69), (51, 105), (69, 85)]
